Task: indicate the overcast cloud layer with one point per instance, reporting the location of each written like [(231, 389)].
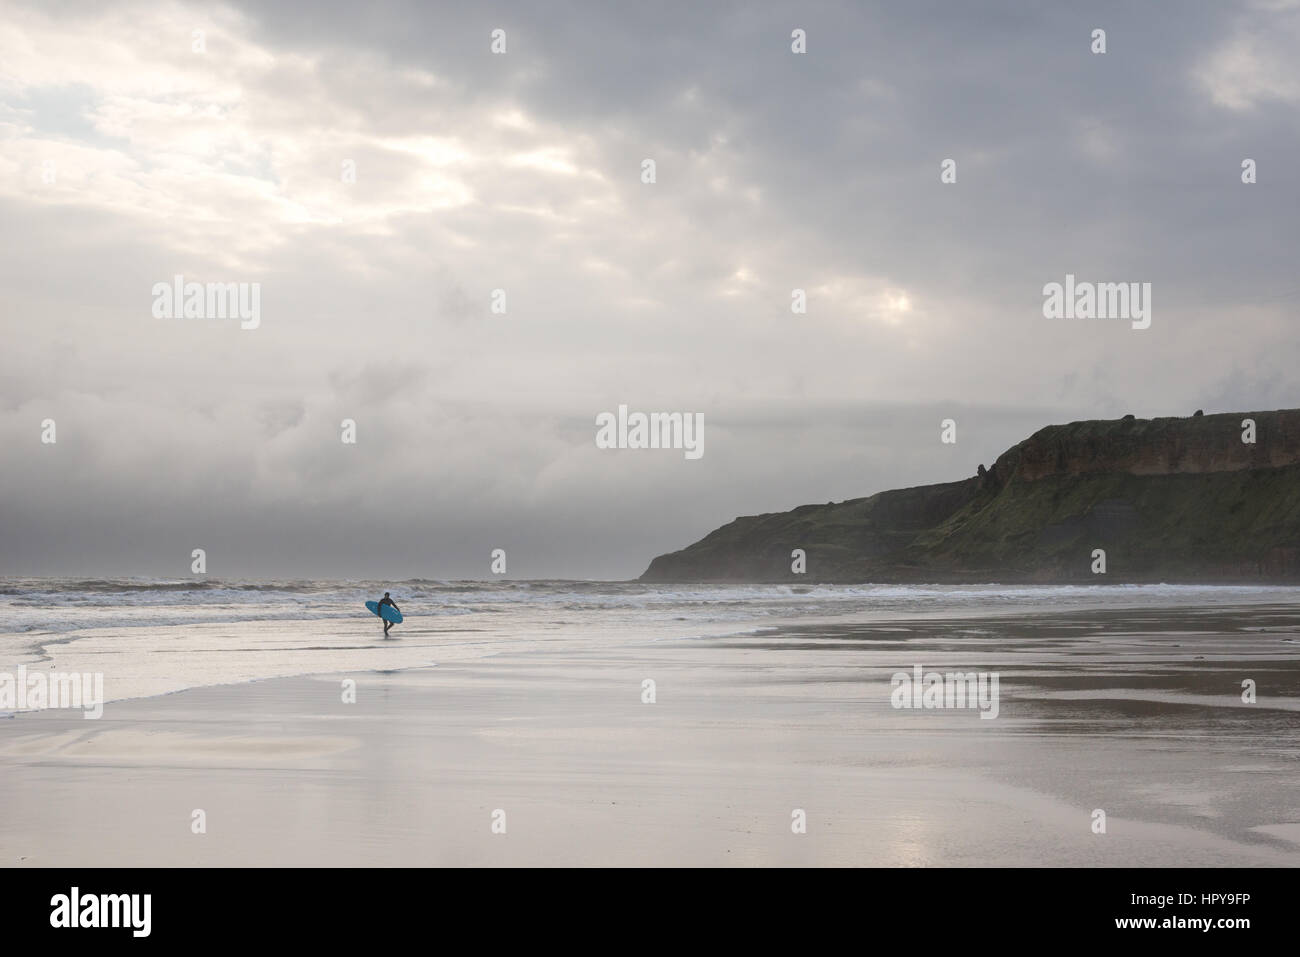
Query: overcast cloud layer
[(521, 172)]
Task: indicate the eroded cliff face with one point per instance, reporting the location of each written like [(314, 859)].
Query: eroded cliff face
[(1169, 446), (1173, 499)]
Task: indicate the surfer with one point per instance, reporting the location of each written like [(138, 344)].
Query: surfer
[(387, 601)]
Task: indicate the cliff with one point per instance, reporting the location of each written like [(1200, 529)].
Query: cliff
[(1170, 499)]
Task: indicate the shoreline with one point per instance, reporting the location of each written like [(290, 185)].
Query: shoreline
[(426, 626)]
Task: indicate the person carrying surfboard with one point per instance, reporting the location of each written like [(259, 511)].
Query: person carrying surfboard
[(387, 601)]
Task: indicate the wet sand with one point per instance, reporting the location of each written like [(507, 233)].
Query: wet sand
[(1135, 713)]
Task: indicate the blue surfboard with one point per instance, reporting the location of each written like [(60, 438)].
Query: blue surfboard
[(386, 612)]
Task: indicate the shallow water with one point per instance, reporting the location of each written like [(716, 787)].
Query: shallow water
[(155, 636), (1135, 713)]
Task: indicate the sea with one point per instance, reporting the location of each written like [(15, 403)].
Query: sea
[(153, 635)]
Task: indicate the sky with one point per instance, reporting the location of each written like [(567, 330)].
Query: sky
[(378, 171)]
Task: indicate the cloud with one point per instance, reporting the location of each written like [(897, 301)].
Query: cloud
[(381, 176), (1255, 66)]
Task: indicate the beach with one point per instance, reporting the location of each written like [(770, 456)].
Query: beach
[(630, 737)]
